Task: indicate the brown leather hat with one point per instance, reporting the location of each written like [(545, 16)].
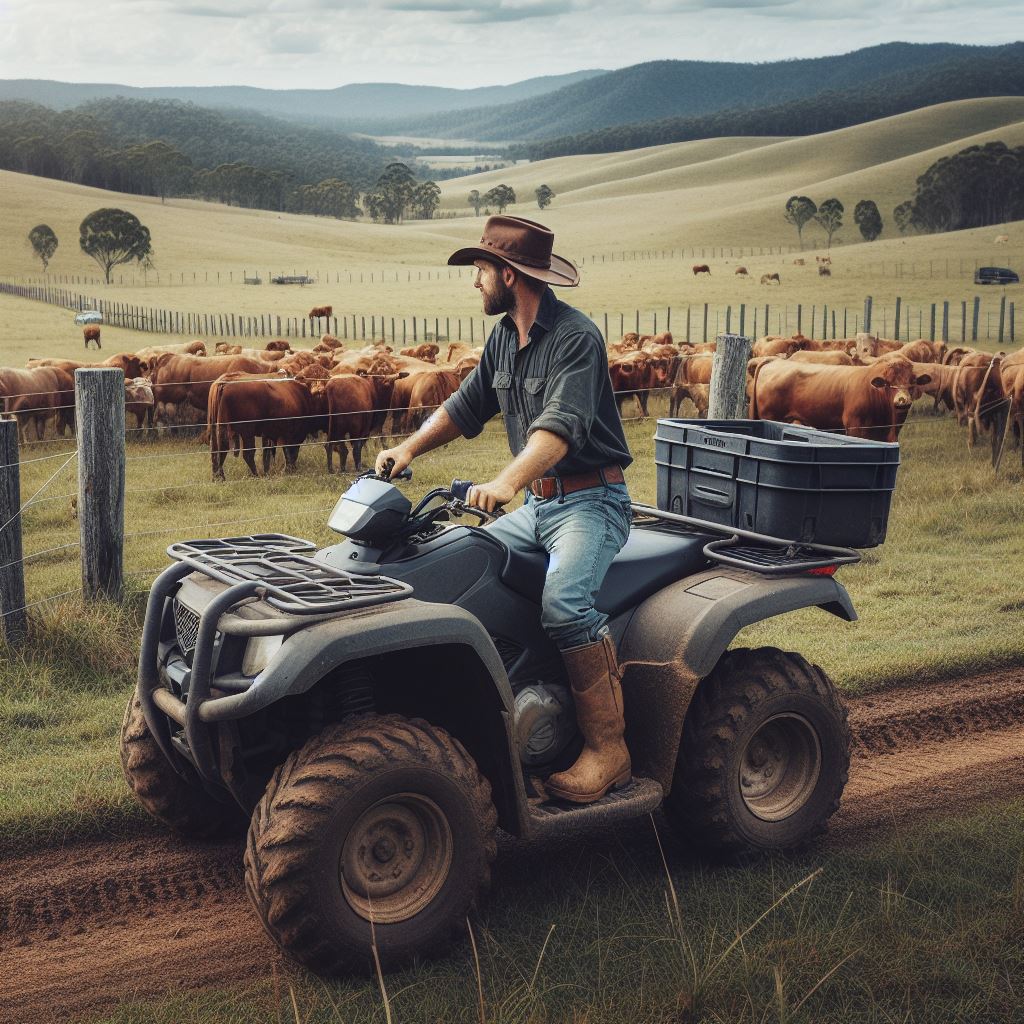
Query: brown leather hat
[(525, 246)]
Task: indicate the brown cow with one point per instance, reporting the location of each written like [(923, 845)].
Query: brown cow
[(799, 262), (768, 278), (126, 361), (91, 334), (691, 371), (979, 402), (862, 401), (276, 409), (701, 268), (1012, 373), (771, 345), (922, 351), (824, 271), (188, 348), (356, 407), (33, 396), (138, 401), (427, 352), (866, 345), (635, 374), (417, 395), (186, 380), (277, 345), (327, 343), (742, 272), (320, 311)]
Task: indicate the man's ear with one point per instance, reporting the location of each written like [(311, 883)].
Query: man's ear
[(508, 276)]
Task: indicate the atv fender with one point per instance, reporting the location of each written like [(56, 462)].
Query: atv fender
[(676, 637), (410, 631)]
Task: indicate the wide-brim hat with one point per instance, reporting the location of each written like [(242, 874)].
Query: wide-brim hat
[(525, 246)]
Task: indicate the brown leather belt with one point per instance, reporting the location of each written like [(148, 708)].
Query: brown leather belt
[(550, 486)]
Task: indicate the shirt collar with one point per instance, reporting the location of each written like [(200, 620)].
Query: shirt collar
[(545, 316)]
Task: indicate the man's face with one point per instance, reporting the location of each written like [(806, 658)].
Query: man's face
[(498, 295)]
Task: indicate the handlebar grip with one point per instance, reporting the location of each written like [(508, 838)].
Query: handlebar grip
[(460, 489), (385, 474)]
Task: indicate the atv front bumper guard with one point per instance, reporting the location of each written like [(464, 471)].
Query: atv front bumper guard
[(274, 568)]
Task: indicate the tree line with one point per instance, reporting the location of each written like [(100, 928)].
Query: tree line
[(109, 236), (801, 210), (169, 148)]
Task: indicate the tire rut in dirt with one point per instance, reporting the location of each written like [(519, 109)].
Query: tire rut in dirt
[(69, 895)]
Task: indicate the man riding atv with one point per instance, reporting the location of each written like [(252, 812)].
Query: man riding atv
[(545, 368)]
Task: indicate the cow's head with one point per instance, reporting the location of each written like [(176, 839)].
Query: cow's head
[(897, 378), (865, 345)]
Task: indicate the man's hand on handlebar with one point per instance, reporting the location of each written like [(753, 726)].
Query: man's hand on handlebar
[(399, 458), (490, 496)]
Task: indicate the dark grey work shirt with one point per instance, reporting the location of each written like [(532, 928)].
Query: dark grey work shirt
[(557, 382)]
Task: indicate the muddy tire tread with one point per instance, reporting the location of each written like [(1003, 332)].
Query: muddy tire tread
[(306, 787)]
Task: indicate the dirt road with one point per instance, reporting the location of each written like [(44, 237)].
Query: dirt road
[(96, 923)]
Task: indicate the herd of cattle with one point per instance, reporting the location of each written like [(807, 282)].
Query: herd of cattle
[(280, 397)]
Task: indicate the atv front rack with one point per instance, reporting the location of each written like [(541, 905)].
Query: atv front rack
[(284, 576), (757, 552)]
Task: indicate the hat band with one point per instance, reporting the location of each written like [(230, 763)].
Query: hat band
[(512, 255)]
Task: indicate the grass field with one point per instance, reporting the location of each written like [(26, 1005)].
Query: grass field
[(935, 601), (923, 928), (714, 193)]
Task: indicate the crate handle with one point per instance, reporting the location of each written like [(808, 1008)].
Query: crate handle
[(709, 496)]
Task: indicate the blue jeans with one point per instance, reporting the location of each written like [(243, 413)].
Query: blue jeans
[(581, 533)]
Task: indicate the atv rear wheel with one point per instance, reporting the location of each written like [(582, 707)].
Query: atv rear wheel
[(764, 756), (179, 802), (379, 831)]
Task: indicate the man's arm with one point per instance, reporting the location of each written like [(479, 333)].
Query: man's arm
[(438, 430), (543, 450)]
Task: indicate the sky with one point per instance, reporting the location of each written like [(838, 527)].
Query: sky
[(456, 43)]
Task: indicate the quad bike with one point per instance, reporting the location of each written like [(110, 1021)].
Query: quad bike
[(378, 708)]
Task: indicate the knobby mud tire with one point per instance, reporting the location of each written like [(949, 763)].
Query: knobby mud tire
[(178, 802), (746, 688), (299, 829)]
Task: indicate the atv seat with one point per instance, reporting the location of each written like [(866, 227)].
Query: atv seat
[(651, 559)]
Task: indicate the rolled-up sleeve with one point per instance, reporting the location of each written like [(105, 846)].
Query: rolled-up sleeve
[(475, 402), (572, 390)]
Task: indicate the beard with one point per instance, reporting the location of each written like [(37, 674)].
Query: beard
[(501, 300)]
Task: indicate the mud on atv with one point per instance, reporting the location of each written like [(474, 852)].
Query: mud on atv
[(380, 707)]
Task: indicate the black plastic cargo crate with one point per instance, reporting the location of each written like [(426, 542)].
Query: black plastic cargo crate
[(793, 482)]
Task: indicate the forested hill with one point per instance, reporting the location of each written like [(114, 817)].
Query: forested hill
[(692, 89), (81, 144), (348, 102), (999, 73)]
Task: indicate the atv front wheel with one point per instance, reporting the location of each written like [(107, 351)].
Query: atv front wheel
[(764, 756), (179, 802), (380, 832)]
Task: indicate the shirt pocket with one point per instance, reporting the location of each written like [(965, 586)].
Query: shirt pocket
[(533, 396), (502, 383)]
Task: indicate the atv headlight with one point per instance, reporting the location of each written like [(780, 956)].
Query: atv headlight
[(258, 652)]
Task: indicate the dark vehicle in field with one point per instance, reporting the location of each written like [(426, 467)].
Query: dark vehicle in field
[(378, 708), (996, 275)]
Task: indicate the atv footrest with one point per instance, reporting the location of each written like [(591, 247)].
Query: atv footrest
[(637, 797)]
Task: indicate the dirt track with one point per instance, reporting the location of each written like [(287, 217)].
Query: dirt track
[(96, 923)]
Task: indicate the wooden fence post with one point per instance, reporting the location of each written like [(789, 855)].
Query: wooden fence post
[(963, 322), (867, 315), (931, 324), (727, 397), (896, 320), (945, 321), (977, 314), (12, 569), (1002, 318), (99, 404)]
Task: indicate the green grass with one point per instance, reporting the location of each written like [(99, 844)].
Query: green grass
[(941, 598), (922, 928)]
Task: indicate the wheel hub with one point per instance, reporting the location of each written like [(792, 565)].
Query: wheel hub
[(779, 767), (396, 858)]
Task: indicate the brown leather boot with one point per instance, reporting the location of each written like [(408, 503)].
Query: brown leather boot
[(594, 673)]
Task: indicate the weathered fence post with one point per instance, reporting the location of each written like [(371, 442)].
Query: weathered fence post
[(896, 320), (12, 568), (931, 324), (977, 314), (99, 405), (945, 321), (727, 397), (963, 322), (1002, 318), (867, 315)]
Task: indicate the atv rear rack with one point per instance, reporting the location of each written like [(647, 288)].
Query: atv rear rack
[(286, 578), (757, 552)]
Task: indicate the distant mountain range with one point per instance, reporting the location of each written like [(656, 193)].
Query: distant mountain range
[(691, 89), (360, 102)]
